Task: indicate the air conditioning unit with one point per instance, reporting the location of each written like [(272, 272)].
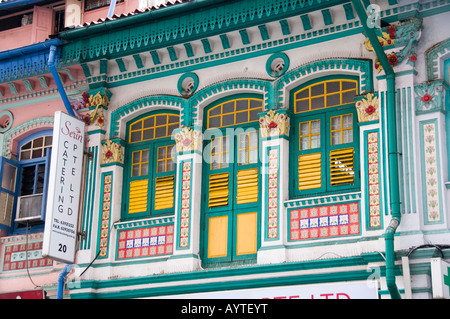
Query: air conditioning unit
[(29, 208)]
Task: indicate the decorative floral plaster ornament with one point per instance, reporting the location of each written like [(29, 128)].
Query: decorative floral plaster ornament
[(393, 59), (426, 98), (274, 124), (112, 153), (367, 108), (188, 139)]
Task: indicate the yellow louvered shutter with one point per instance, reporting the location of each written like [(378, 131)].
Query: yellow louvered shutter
[(164, 190), (247, 186), (342, 169), (138, 196), (310, 171), (219, 189)]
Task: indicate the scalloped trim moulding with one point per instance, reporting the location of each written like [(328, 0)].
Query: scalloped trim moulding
[(23, 130)]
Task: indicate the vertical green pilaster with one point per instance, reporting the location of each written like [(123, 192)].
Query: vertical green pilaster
[(89, 196), (274, 150)]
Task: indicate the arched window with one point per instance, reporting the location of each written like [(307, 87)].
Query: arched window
[(234, 112), (325, 142), (150, 160), (33, 171), (35, 148), (325, 94), (231, 189), (24, 183)]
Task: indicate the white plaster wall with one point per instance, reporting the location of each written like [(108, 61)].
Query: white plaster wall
[(435, 30)]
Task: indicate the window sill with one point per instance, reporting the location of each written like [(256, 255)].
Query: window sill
[(228, 264), (322, 194), (150, 221), (324, 198)]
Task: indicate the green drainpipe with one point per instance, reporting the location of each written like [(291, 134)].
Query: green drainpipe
[(392, 150)]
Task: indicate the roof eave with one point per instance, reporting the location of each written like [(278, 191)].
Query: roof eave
[(109, 25)]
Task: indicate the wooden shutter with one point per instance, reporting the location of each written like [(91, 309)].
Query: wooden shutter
[(42, 24), (310, 171), (342, 168), (9, 191), (138, 196), (219, 189), (6, 208), (246, 233), (218, 236), (247, 186), (164, 189)]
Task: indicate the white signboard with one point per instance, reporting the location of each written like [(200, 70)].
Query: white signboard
[(440, 278), (64, 188), (349, 290)]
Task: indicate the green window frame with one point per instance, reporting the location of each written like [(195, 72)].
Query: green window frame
[(325, 137), (149, 188), (231, 189)]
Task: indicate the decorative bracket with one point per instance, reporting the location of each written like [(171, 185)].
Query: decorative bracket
[(188, 139), (113, 152), (367, 106), (274, 123), (96, 100), (405, 36)]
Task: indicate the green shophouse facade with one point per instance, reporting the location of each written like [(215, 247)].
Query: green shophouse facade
[(254, 147)]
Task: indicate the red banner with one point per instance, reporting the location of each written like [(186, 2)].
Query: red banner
[(30, 294)]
